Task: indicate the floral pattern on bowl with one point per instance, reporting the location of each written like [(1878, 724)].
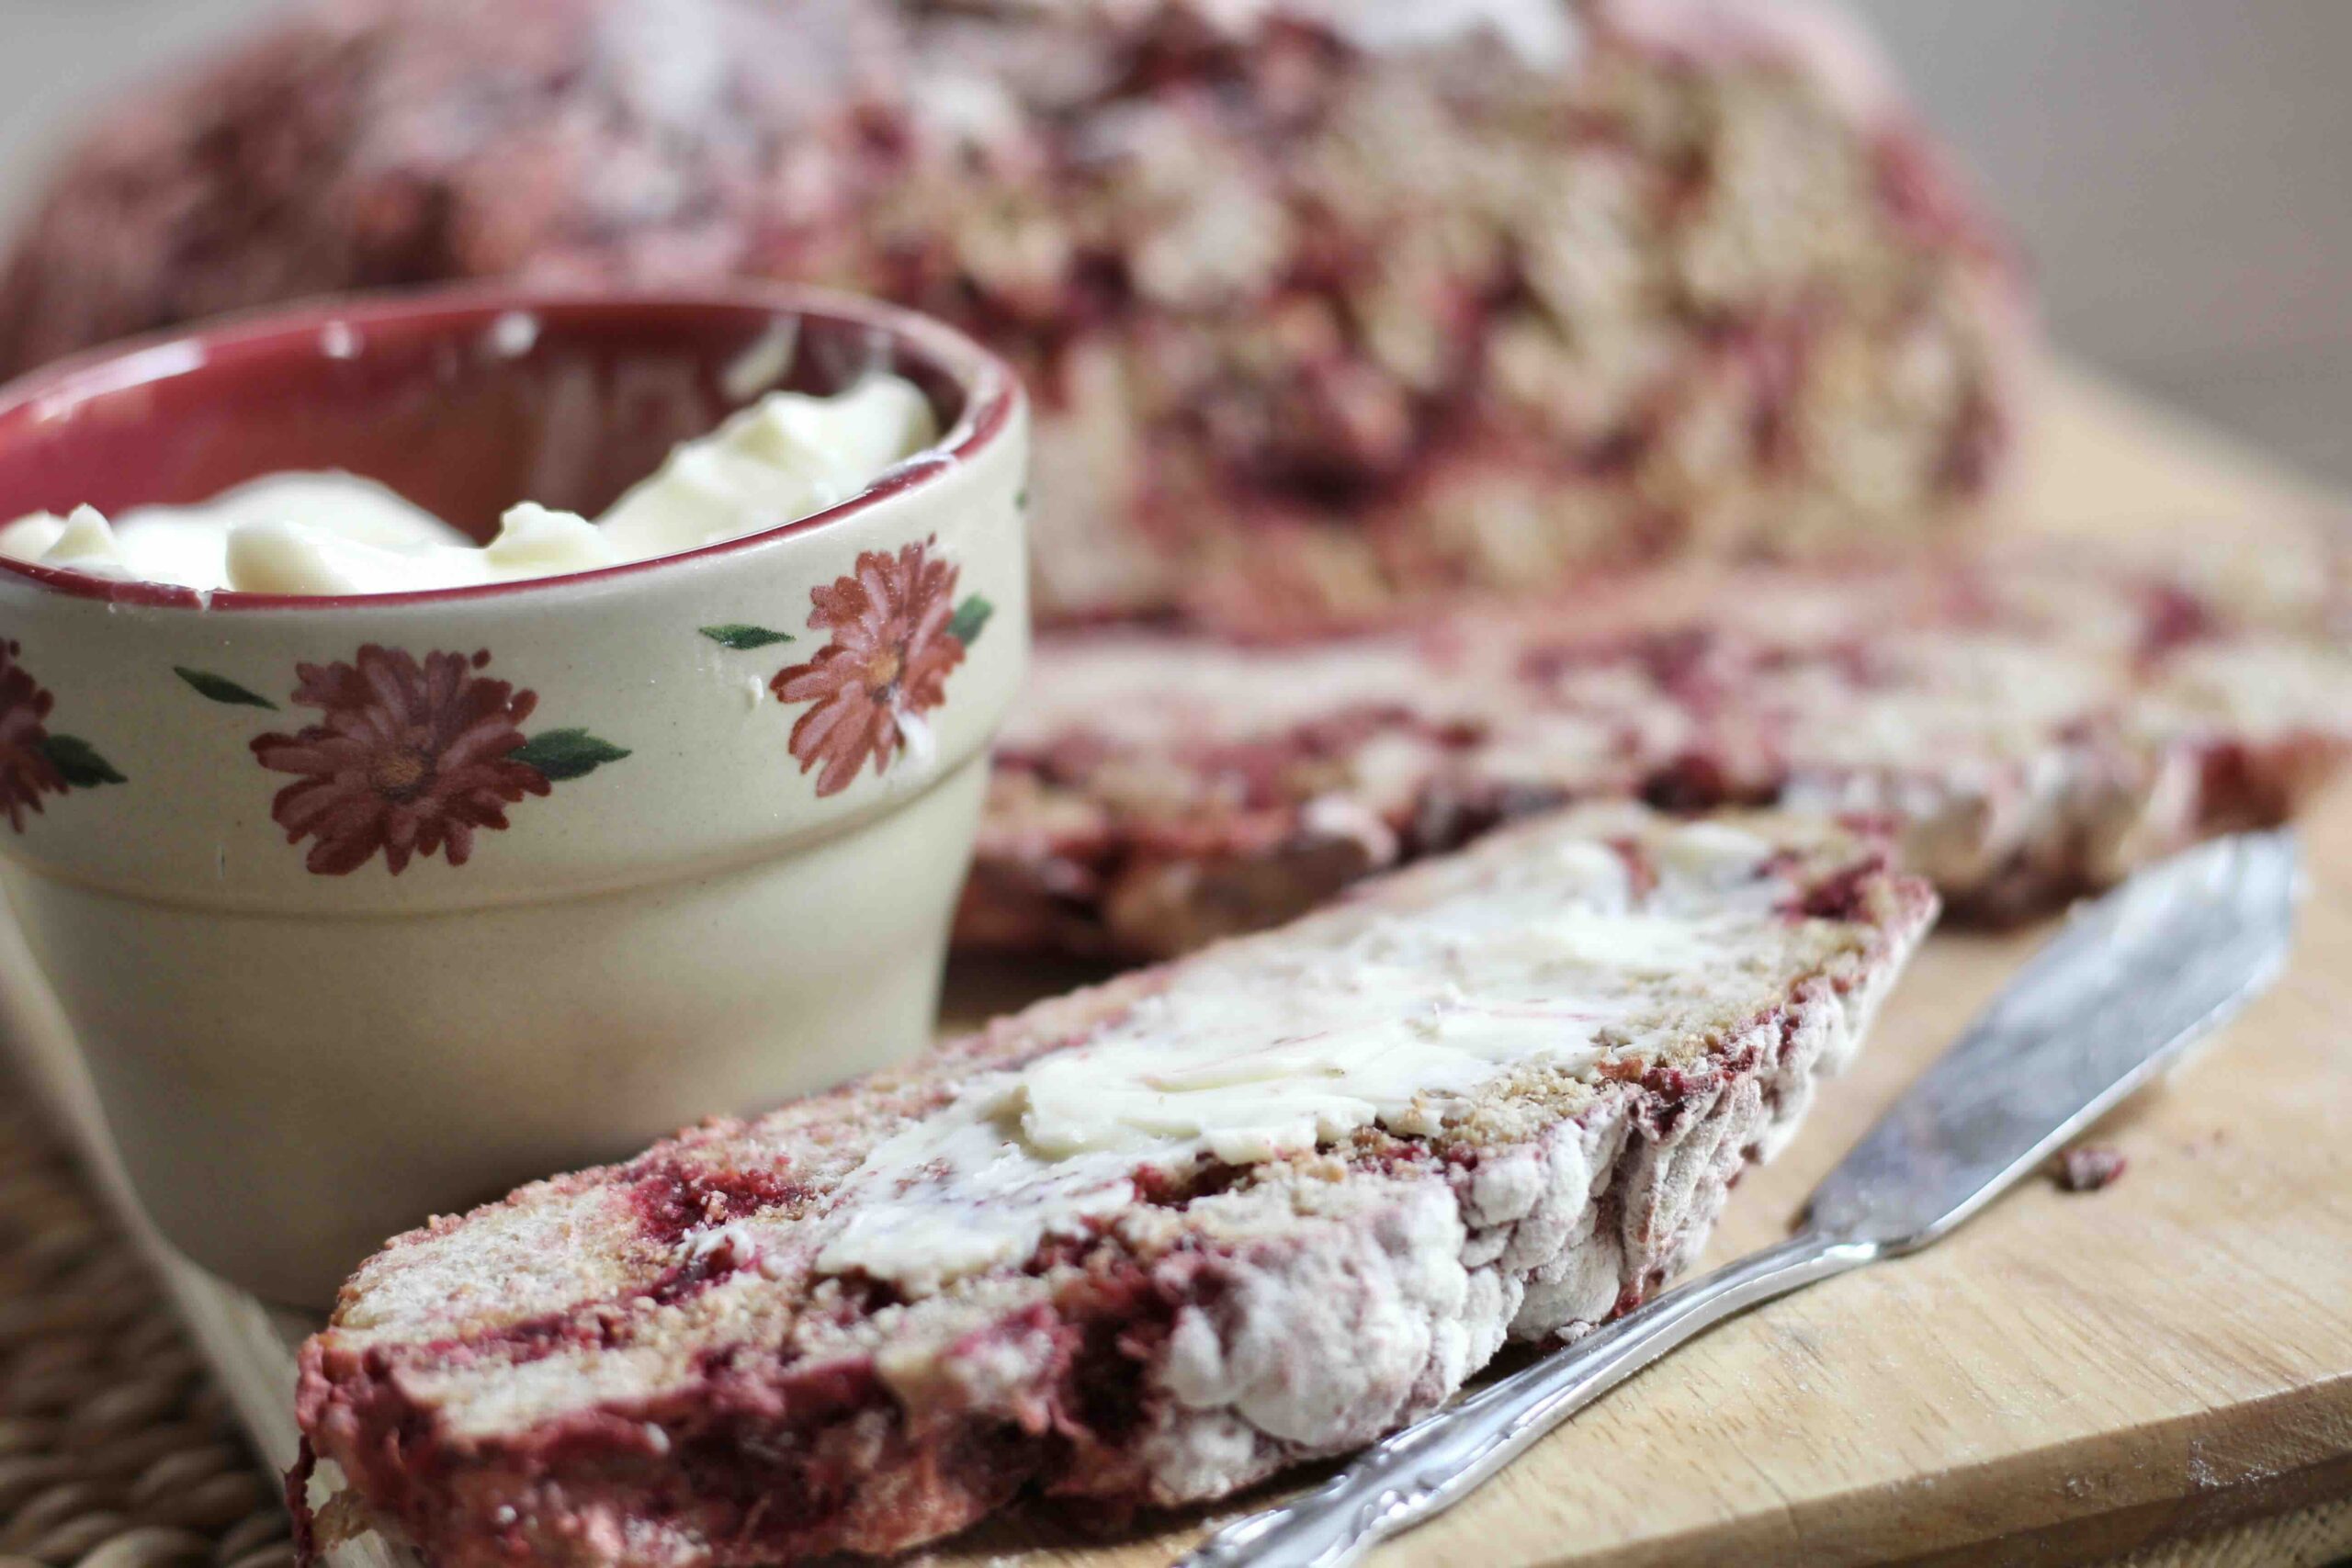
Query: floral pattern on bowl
[(409, 757), (898, 634), (34, 760)]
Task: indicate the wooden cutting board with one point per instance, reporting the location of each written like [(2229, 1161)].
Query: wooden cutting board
[(2070, 1378)]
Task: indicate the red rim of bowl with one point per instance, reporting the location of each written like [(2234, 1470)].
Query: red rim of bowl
[(991, 393)]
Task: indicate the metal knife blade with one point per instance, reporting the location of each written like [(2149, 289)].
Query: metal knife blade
[(2132, 983), (2107, 1004)]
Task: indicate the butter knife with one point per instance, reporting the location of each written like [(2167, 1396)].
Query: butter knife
[(2131, 983)]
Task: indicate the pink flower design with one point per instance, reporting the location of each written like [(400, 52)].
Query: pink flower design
[(408, 759), (26, 771), (896, 633)]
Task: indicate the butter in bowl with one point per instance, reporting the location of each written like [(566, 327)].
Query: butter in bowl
[(448, 737)]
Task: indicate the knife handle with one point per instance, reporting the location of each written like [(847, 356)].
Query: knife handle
[(1437, 1461)]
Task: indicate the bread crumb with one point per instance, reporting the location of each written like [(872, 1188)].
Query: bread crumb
[(2086, 1167)]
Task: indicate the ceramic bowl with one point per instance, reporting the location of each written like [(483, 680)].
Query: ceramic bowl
[(364, 909)]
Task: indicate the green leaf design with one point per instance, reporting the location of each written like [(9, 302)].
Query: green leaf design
[(78, 762), (567, 753), (741, 636), (971, 617), (221, 689)]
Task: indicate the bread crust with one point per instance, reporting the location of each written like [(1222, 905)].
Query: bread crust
[(579, 1376)]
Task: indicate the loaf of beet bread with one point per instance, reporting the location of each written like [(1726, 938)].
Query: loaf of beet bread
[(1324, 303)]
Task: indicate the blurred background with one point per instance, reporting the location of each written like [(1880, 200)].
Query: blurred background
[(2176, 168)]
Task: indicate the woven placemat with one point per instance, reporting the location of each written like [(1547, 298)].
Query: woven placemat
[(2315, 1538), (117, 1449)]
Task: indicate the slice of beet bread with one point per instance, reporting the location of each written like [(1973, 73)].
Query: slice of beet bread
[(2035, 719), (870, 1317)]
